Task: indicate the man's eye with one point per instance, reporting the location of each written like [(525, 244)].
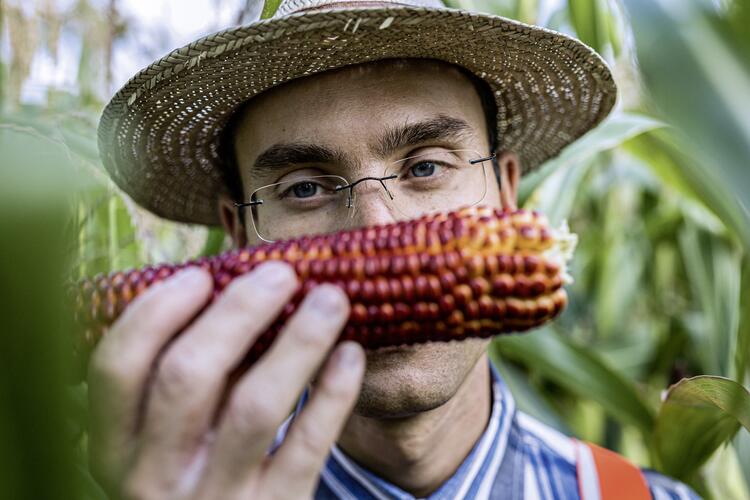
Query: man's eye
[(304, 189), (424, 169)]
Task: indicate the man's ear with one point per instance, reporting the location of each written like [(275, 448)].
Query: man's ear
[(230, 219), (510, 178)]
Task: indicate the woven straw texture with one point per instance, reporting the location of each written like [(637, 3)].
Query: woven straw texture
[(159, 135)]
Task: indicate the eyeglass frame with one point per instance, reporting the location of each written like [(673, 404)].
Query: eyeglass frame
[(350, 186)]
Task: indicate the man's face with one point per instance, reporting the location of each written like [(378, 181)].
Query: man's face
[(351, 112)]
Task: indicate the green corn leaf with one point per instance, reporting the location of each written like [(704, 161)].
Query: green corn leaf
[(697, 416), (671, 162), (555, 185), (214, 242), (528, 399), (742, 355), (269, 8), (713, 269), (691, 43), (579, 370), (741, 443), (527, 11), (36, 183), (589, 19), (723, 473)]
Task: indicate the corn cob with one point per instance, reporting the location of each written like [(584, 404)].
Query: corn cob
[(475, 272)]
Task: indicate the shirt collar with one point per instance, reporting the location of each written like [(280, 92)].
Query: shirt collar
[(473, 477)]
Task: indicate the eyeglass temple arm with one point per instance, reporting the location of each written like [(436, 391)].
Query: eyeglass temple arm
[(480, 160), (248, 203)]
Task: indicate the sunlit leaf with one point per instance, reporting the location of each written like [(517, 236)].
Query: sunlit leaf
[(697, 416)]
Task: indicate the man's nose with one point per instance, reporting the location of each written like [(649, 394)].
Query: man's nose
[(372, 205)]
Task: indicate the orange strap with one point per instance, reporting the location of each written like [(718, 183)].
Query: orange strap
[(605, 475)]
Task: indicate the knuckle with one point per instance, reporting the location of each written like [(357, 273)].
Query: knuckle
[(311, 440), (340, 389), (179, 372), (313, 337), (240, 297), (255, 415)]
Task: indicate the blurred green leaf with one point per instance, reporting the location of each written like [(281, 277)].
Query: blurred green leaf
[(553, 188), (668, 159), (507, 8), (37, 180), (742, 356), (269, 8), (723, 474), (580, 371), (590, 20), (714, 271), (697, 416), (527, 11), (741, 444), (528, 399), (688, 44), (214, 243)]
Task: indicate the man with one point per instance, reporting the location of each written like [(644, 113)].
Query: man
[(254, 128)]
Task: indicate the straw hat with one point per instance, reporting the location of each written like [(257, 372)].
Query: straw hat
[(159, 135)]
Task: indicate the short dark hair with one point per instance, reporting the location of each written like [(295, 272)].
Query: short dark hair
[(230, 168)]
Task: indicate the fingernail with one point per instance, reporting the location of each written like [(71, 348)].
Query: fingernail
[(327, 299), (274, 274), (348, 355)]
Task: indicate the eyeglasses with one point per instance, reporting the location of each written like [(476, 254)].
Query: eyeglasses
[(440, 180)]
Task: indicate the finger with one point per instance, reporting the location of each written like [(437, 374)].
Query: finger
[(312, 433), (192, 373), (263, 398), (122, 361)]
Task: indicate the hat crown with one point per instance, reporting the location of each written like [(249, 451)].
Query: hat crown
[(288, 7)]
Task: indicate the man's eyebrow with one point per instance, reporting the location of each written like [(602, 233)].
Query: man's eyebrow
[(441, 127), (282, 155)]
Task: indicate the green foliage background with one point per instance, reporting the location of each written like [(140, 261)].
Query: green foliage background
[(659, 196)]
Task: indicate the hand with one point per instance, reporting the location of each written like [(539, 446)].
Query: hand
[(166, 425)]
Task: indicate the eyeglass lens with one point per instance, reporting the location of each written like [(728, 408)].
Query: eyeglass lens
[(436, 181)]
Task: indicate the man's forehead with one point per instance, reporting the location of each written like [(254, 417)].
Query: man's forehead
[(350, 81), (356, 102)]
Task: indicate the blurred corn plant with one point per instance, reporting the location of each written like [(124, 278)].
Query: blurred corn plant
[(651, 357)]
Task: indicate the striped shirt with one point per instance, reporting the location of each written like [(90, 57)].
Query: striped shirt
[(517, 458)]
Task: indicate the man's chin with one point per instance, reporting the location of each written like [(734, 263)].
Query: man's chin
[(402, 381)]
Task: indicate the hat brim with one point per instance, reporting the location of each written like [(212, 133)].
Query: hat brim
[(159, 135)]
